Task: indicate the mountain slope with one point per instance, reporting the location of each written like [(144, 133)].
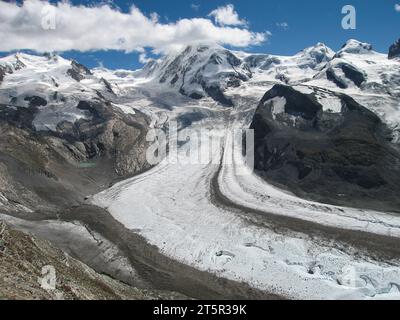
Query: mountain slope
[(336, 156), (201, 70), (22, 258), (359, 68), (62, 136)]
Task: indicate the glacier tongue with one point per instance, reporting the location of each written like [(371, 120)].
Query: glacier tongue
[(172, 207)]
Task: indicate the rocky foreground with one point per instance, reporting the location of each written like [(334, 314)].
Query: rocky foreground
[(23, 257)]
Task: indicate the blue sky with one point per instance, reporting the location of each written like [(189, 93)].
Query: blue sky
[(309, 22)]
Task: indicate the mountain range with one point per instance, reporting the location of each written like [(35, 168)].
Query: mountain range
[(326, 126)]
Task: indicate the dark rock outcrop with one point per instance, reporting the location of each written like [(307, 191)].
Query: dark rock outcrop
[(78, 71), (110, 135), (108, 86), (216, 94), (353, 74), (394, 50), (19, 117), (331, 76), (48, 170), (36, 101), (350, 73), (341, 158), (2, 74)]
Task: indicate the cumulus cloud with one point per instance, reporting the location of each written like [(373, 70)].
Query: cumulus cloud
[(397, 7), (227, 16), (40, 26), (143, 58)]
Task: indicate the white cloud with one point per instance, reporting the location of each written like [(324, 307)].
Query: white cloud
[(397, 7), (227, 16), (283, 25), (39, 26), (143, 58)]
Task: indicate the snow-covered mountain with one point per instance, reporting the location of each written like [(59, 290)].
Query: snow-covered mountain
[(200, 70), (56, 85), (357, 65), (327, 128), (208, 70), (52, 84)]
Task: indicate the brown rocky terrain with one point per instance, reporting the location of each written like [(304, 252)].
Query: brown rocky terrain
[(23, 257)]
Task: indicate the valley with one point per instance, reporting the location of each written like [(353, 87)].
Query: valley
[(306, 224)]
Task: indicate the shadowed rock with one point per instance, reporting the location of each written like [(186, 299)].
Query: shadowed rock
[(78, 71), (341, 158), (394, 50)]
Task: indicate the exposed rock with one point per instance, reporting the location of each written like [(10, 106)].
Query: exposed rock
[(349, 71), (36, 101), (341, 158), (20, 117), (112, 135), (353, 74), (108, 86), (216, 93), (49, 170), (25, 261), (394, 50), (18, 64), (78, 71), (202, 70), (331, 76), (2, 74)]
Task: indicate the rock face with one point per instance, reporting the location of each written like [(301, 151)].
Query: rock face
[(340, 157), (22, 258), (45, 171), (349, 72), (111, 135), (78, 71), (394, 50), (80, 143), (2, 74)]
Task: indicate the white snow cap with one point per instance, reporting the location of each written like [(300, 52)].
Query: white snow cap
[(356, 47)]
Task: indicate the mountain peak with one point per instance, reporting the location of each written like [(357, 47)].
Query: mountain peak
[(356, 47), (316, 54), (318, 46)]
